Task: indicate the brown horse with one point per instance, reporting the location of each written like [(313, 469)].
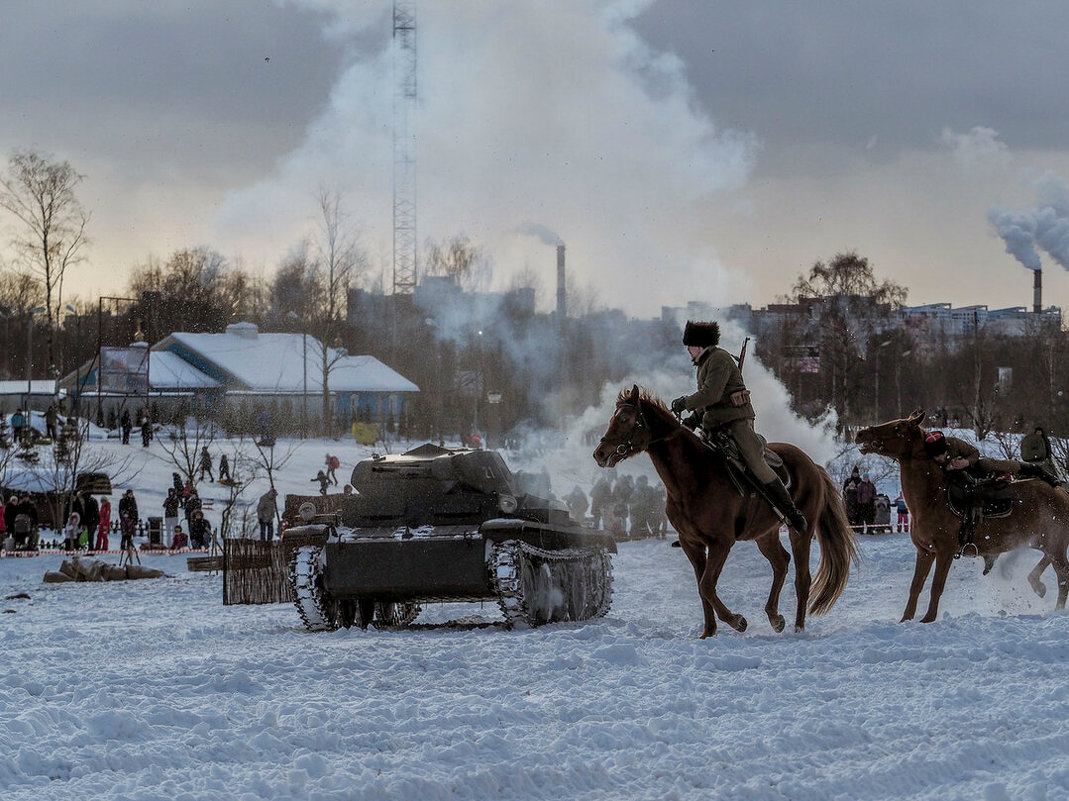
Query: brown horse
[(710, 515), (1040, 516)]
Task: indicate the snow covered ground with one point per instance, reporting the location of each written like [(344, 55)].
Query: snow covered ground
[(154, 690)]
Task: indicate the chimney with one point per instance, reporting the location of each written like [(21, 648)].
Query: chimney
[(1037, 291), (562, 310)]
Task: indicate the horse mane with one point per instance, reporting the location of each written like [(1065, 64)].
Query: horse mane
[(645, 396)]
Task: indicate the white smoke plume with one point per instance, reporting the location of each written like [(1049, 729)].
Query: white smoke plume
[(528, 110), (1043, 227)]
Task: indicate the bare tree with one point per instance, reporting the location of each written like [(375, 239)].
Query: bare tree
[(51, 234), (460, 259), (339, 259), (74, 458), (183, 445), (244, 470)]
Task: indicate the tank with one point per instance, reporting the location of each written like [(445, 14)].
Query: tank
[(442, 525)]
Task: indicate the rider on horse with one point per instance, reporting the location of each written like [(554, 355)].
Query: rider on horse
[(951, 454), (724, 403)]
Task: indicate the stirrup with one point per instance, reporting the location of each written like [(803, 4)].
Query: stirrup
[(965, 547)]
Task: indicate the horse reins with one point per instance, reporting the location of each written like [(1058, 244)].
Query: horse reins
[(628, 445)]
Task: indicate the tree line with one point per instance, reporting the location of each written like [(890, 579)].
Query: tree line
[(516, 368)]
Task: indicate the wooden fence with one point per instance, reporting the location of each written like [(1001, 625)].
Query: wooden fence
[(257, 572)]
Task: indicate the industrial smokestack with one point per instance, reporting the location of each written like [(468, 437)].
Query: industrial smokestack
[(562, 310), (1037, 292)]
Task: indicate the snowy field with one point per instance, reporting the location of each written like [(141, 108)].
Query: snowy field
[(154, 690)]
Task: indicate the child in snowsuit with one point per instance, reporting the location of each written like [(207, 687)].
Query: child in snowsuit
[(324, 482)]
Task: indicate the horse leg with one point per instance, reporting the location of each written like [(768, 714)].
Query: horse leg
[(696, 554), (920, 575), (778, 557), (717, 555), (943, 561), (1061, 569), (802, 578), (1038, 586)]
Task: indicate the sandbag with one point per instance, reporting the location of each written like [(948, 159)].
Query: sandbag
[(55, 577)]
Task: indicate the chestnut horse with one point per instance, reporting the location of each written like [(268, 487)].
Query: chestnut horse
[(710, 515), (1040, 516)]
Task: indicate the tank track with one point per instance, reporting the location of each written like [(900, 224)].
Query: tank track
[(308, 597), (537, 586), (320, 612)]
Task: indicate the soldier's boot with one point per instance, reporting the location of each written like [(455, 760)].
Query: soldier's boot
[(1030, 470), (782, 500)]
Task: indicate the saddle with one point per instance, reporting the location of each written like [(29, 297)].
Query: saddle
[(987, 497), (724, 444), (974, 500)]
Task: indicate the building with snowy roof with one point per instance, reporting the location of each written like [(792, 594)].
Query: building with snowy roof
[(244, 371), (284, 374)]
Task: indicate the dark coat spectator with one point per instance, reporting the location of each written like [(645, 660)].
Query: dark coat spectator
[(866, 501), (128, 506), (324, 482), (850, 496), (126, 426), (266, 512)]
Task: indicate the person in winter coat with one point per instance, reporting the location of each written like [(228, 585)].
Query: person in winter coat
[(146, 431), (324, 482), (128, 509), (176, 482), (191, 506), (224, 470), (91, 516), (104, 526), (170, 515), (72, 531), (180, 539), (723, 401), (187, 490), (600, 498), (1035, 449), (903, 513), (10, 510), (200, 531), (332, 464), (126, 425), (206, 464), (866, 502), (266, 512), (850, 496), (957, 456)]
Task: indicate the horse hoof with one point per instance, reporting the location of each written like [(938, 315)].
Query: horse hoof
[(778, 623), (799, 628), (1039, 588), (740, 623)]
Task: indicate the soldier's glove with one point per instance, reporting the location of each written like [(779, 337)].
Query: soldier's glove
[(679, 405), (692, 421)]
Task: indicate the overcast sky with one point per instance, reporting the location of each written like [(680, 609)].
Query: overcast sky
[(681, 149)]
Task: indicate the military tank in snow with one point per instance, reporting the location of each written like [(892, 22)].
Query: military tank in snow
[(444, 525)]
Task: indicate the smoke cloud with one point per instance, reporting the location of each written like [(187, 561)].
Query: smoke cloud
[(1044, 227), (557, 112)]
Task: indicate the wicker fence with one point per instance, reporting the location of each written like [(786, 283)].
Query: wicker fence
[(256, 572)]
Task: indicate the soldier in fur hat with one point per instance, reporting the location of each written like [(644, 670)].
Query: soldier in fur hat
[(723, 401)]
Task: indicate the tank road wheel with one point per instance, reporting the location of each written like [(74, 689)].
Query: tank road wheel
[(316, 608), (538, 586), (390, 615)]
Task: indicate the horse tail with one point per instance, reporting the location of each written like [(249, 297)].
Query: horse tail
[(838, 548)]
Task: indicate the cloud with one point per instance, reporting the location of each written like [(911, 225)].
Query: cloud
[(980, 148)]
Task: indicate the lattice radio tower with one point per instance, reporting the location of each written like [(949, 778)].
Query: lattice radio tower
[(405, 268)]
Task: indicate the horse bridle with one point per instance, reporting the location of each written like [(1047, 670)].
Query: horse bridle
[(627, 447)]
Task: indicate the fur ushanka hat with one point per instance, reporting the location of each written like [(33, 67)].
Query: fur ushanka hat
[(701, 335)]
